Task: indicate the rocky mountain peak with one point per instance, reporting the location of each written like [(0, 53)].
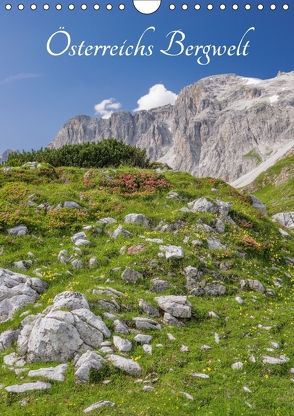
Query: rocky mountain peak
[(221, 126)]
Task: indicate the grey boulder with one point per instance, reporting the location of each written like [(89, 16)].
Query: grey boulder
[(285, 218), (137, 219), (50, 373), (177, 306), (18, 231), (87, 362), (23, 388), (17, 291), (57, 334), (124, 364)]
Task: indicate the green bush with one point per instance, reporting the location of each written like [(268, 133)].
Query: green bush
[(88, 155)]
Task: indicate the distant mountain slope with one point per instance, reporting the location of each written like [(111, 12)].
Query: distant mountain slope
[(222, 126), (4, 155), (275, 187)]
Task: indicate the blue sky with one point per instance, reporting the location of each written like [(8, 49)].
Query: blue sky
[(39, 93)]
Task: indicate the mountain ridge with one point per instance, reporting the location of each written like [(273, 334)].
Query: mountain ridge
[(222, 126)]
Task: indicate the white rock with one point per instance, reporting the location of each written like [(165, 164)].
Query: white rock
[(123, 345), (137, 219), (239, 300), (147, 348), (51, 373), (237, 366), (99, 405), (18, 231), (22, 388), (126, 365), (200, 375), (177, 306), (143, 339), (88, 361), (266, 359), (172, 252)]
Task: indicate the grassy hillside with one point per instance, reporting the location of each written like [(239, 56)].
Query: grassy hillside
[(252, 248), (275, 187)]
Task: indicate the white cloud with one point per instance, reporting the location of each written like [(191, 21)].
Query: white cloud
[(18, 77), (107, 107), (157, 96)]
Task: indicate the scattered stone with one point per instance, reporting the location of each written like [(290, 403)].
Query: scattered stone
[(205, 347), (266, 359), (146, 323), (108, 220), (239, 300), (246, 389), (126, 365), (255, 285), (184, 348), (120, 327), (204, 205), (7, 338), (71, 205), (286, 219), (284, 233), (187, 395), (216, 338), (147, 348), (153, 240), (137, 219), (131, 276), (215, 289), (220, 226), (158, 285), (77, 264), (257, 204), (63, 256), (22, 264), (172, 252), (148, 309), (99, 405), (237, 366), (200, 375), (193, 276), (18, 231), (173, 195), (215, 244), (120, 231), (23, 388), (143, 339), (171, 337), (168, 319), (51, 373), (93, 262), (88, 361), (212, 314), (121, 344), (148, 388), (177, 306), (13, 360), (17, 291)]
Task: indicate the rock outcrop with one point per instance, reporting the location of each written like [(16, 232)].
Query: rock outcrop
[(62, 330)]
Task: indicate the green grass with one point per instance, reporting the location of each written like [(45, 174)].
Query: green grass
[(220, 395), (275, 187)]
